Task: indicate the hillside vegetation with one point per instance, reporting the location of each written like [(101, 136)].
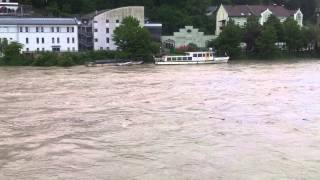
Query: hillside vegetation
[(174, 14)]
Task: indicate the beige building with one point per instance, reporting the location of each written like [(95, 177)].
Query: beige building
[(96, 29), (240, 13)]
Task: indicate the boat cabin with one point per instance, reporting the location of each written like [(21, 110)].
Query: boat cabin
[(192, 56)]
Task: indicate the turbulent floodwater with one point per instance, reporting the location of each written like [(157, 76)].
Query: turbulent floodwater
[(234, 121)]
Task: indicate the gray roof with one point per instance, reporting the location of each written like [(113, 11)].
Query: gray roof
[(256, 10), (37, 21)]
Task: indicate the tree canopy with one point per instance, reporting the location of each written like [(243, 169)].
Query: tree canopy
[(133, 40), (174, 14)]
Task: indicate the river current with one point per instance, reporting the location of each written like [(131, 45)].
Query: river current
[(242, 121)]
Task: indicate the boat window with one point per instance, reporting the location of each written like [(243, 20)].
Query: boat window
[(194, 55), (185, 58), (207, 54), (211, 54), (199, 55), (173, 59), (179, 58), (190, 58), (168, 59)]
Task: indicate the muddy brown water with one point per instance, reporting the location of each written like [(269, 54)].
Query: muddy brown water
[(233, 121)]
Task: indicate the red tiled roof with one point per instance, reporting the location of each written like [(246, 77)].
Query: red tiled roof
[(256, 10)]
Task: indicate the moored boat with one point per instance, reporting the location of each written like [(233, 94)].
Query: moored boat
[(207, 57)]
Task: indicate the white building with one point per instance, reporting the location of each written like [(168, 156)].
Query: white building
[(240, 13), (7, 4), (41, 34), (96, 30)]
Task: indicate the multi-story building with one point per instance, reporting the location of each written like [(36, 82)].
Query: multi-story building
[(8, 7), (41, 34), (240, 13), (96, 29), (155, 30)]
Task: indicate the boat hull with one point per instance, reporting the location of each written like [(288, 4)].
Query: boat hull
[(217, 60)]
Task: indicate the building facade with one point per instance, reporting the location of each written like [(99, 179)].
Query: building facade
[(240, 13), (96, 29), (41, 34), (155, 30), (186, 36), (7, 6)]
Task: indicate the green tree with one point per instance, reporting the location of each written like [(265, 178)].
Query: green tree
[(229, 40), (13, 56), (252, 32), (3, 45), (292, 35), (133, 40), (275, 22), (266, 47)]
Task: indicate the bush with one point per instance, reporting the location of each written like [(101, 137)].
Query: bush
[(45, 59), (65, 61)]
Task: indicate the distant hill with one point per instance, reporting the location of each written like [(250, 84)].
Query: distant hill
[(172, 13)]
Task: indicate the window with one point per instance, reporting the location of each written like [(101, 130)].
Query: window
[(185, 58), (68, 29), (68, 40), (117, 21), (56, 48), (52, 40), (58, 29), (38, 40), (95, 21), (190, 58), (27, 29), (38, 49), (173, 59), (107, 30), (95, 40), (95, 30), (42, 49), (194, 55), (199, 55), (21, 29), (73, 49), (42, 40), (72, 40), (52, 29), (68, 49), (72, 29), (108, 40), (27, 40), (42, 29), (108, 48), (27, 49), (168, 59), (107, 21), (58, 40), (101, 48), (37, 29)]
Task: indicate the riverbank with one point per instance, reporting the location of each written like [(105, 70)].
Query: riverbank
[(48, 59), (67, 59)]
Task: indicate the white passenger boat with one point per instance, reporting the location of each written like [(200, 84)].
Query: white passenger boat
[(192, 58)]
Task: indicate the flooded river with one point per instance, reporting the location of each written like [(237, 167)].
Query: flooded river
[(237, 121)]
